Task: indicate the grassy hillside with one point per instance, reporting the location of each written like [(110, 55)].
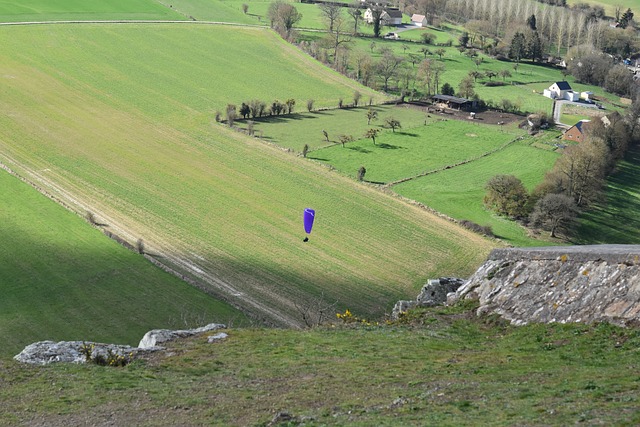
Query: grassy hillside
[(459, 191), (614, 219), (448, 369), (83, 10), (134, 141), (60, 279)]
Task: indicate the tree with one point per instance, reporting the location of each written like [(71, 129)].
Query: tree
[(371, 115), (388, 66), (506, 195), (283, 16), (330, 12), (504, 74), (344, 139), (245, 110), (425, 51), (490, 74), (305, 150), (465, 89), (361, 172), (289, 103), (619, 80), (427, 38), (310, 105), (447, 89), (372, 133), (376, 17), (326, 135), (626, 19), (518, 48), (372, 46), (245, 8), (531, 22), (356, 14), (393, 123), (440, 52), (356, 98), (554, 211), (464, 39), (533, 48), (337, 39), (231, 114), (475, 75)]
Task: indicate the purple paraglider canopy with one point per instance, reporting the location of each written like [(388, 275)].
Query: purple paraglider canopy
[(309, 215)]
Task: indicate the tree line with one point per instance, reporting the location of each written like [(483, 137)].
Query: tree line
[(574, 183)]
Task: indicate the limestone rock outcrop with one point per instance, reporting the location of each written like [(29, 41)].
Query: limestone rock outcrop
[(158, 336), (433, 293), (559, 284), (45, 352)]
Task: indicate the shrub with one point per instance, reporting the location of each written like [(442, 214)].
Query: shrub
[(140, 246), (485, 230)]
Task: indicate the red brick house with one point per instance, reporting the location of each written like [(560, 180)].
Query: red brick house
[(576, 132)]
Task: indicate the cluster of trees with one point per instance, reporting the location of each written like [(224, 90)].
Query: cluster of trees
[(592, 67), (574, 183)]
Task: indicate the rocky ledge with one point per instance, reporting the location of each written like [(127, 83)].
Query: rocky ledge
[(559, 284), (46, 352)]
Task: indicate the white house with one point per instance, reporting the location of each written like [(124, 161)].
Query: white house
[(561, 90), (419, 20), (389, 17)]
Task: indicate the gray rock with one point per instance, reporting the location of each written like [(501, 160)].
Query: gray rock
[(217, 337), (559, 284), (433, 293), (158, 336), (46, 352)]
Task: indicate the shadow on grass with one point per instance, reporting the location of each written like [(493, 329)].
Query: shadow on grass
[(414, 135), (360, 149), (390, 147)]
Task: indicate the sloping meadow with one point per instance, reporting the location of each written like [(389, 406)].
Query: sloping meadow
[(118, 120)]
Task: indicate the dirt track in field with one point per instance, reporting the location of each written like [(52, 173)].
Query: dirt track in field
[(160, 249)]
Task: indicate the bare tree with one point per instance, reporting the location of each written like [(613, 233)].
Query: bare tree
[(356, 98), (356, 14), (388, 66), (361, 172), (315, 312), (338, 39), (554, 211), (393, 123), (330, 12), (371, 115), (310, 105), (283, 16), (231, 114), (372, 133)]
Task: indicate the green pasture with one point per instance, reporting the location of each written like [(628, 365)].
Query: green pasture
[(410, 152), (458, 192), (181, 79), (614, 219), (63, 280), (135, 141), (610, 5), (447, 367), (295, 130), (83, 10)]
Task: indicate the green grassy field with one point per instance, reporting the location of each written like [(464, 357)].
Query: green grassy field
[(458, 192), (63, 280), (447, 369), (135, 141), (610, 5), (615, 219), (294, 131), (410, 152), (83, 10)]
